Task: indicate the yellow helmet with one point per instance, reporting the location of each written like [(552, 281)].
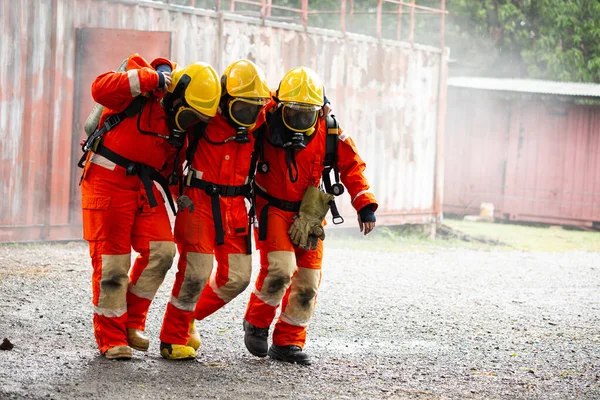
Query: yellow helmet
[(301, 85), (197, 86), (301, 93), (243, 78), (245, 84)]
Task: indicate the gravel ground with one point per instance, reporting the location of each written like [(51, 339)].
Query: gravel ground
[(435, 324)]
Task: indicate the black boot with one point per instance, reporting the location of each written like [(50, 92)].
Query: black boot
[(291, 354), (255, 339)]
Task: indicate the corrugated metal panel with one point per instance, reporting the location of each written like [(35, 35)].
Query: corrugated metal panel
[(476, 145), (384, 93), (536, 161), (527, 86)]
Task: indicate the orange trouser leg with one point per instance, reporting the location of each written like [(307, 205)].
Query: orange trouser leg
[(277, 266), (300, 299), (229, 278), (108, 217), (153, 240), (195, 238)]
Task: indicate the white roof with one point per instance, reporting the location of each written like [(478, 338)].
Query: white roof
[(527, 86)]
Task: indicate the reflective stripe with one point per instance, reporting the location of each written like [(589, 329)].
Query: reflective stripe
[(272, 301), (107, 312), (288, 319), (160, 259), (303, 294), (240, 270), (182, 305), (359, 194), (102, 161), (282, 265), (134, 82)]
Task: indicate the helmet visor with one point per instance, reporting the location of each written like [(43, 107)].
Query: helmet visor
[(187, 117), (244, 111), (300, 117)]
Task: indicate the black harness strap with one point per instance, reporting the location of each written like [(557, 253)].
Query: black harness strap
[(330, 163), (251, 199), (291, 206), (136, 105), (215, 192), (146, 173)]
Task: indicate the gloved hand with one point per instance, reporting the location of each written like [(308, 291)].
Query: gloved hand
[(184, 202), (308, 228), (366, 219)]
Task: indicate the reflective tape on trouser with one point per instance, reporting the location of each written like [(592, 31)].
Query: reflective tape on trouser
[(282, 265), (112, 299), (197, 271), (239, 273), (301, 300), (160, 259)]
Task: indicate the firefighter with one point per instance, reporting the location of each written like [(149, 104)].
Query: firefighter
[(291, 210), (215, 222), (148, 109)]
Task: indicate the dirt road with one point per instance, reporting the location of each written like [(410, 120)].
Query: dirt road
[(441, 323)]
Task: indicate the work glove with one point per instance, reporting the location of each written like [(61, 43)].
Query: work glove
[(307, 228), (366, 219), (184, 202)]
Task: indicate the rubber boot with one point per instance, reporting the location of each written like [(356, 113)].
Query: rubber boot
[(194, 340), (137, 339), (177, 351), (255, 339), (292, 354), (118, 353)]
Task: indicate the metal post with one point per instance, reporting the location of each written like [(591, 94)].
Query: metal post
[(412, 23), (192, 3), (304, 16), (379, 6), (442, 24), (232, 5), (269, 4), (262, 9), (218, 5), (343, 16), (399, 25)]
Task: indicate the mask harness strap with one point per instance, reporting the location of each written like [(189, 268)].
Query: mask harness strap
[(290, 160)]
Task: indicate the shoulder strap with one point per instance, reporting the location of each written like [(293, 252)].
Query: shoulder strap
[(136, 105), (331, 143), (331, 158)]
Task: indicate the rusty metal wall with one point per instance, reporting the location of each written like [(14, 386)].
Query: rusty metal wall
[(536, 160), (386, 95)]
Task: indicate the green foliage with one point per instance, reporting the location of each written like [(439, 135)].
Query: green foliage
[(546, 39)]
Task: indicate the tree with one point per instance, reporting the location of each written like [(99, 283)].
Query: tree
[(549, 39)]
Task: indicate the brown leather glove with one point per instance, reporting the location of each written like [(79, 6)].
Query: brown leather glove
[(309, 222)]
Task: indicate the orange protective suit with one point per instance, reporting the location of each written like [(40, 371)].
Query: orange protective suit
[(291, 275), (116, 210), (196, 231)]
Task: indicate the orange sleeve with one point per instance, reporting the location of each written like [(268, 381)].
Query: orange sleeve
[(351, 168), (115, 90)]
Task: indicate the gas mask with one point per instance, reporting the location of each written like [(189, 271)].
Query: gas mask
[(292, 125), (242, 114)]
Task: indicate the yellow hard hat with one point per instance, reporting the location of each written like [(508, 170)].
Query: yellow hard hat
[(301, 85), (301, 93), (198, 86), (243, 78), (245, 84)]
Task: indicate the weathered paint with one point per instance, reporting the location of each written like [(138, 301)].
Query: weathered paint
[(535, 160), (386, 95)]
